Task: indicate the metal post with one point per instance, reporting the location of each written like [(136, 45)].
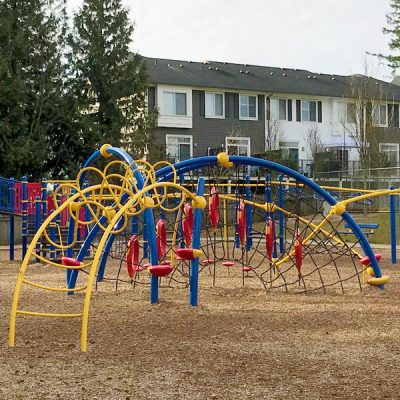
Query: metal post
[(392, 201), (37, 220), (237, 241), (194, 269), (249, 227), (53, 239), (24, 202), (281, 217), (70, 238), (268, 199), (44, 207), (11, 194)]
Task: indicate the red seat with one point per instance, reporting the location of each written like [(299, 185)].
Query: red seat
[(247, 269), (208, 261), (366, 261), (228, 264), (188, 253), (160, 270), (70, 262)]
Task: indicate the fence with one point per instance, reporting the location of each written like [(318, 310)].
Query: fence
[(23, 208)]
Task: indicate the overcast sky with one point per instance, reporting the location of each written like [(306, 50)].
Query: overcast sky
[(330, 36)]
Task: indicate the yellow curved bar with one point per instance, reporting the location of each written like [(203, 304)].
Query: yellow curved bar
[(102, 243), (29, 253), (53, 289), (54, 264), (379, 281), (51, 315)]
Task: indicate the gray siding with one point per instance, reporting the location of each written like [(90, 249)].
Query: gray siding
[(211, 132)]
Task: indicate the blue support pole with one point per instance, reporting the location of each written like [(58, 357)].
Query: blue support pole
[(44, 206), (181, 242), (38, 207), (53, 239), (135, 226), (237, 241), (194, 268), (281, 217), (24, 202), (145, 240), (249, 226), (268, 199), (149, 218), (70, 238), (392, 201), (12, 221)]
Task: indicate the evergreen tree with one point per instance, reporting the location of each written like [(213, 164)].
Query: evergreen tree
[(32, 111), (108, 80), (393, 19)]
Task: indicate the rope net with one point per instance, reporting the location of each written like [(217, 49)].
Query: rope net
[(267, 229)]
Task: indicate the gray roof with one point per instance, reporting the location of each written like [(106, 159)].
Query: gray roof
[(221, 75)]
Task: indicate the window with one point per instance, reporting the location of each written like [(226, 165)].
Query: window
[(248, 107), (278, 109), (174, 103), (290, 150), (379, 115), (238, 146), (179, 148), (391, 152), (215, 105), (351, 113), (308, 110)]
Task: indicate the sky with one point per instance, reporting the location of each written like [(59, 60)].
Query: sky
[(328, 36)]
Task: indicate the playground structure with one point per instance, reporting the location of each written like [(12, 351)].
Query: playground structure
[(197, 216)]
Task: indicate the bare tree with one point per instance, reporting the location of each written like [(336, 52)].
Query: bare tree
[(314, 147), (367, 119), (273, 134)]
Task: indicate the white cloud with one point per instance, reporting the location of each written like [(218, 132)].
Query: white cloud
[(319, 35)]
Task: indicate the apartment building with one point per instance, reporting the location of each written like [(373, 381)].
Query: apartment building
[(254, 110)]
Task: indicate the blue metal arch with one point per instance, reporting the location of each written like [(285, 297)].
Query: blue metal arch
[(148, 216), (166, 173)]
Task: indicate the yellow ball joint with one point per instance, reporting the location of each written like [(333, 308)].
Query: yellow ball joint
[(223, 159), (199, 202), (270, 207), (339, 208), (75, 206), (103, 150), (109, 213), (147, 202)]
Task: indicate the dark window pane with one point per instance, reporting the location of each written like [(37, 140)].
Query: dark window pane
[(282, 110), (184, 151), (313, 111), (218, 105), (252, 106), (180, 99)]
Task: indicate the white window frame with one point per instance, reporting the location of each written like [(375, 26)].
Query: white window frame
[(378, 123), (248, 118), (316, 110), (227, 138), (212, 115), (174, 121), (396, 145), (278, 99), (167, 136)]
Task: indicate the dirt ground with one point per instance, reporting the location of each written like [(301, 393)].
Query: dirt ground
[(240, 343)]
